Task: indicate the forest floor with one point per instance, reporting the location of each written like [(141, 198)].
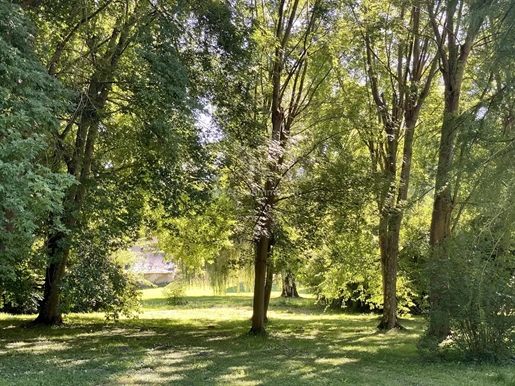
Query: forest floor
[(205, 342)]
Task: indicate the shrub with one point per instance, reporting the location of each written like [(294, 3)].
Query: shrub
[(482, 320), (175, 292), (21, 295), (479, 300), (98, 283)]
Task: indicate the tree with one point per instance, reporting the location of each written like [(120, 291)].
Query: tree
[(286, 34), (400, 64), (30, 100), (80, 134), (455, 35), (289, 286), (131, 130)]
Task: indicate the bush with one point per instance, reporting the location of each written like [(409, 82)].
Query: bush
[(21, 286), (482, 322), (175, 292), (21, 295), (479, 300), (98, 283)]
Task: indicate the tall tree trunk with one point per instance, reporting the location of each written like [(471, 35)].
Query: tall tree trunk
[(440, 230), (59, 244), (390, 226), (49, 312), (267, 207), (269, 280), (390, 229), (289, 286), (388, 245), (389, 248), (58, 247), (258, 316)]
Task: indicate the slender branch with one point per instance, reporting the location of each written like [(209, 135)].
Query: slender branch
[(60, 47)]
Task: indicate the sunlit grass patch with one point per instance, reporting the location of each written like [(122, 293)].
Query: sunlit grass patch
[(205, 342)]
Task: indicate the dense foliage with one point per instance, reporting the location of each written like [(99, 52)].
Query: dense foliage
[(365, 150), (30, 191)]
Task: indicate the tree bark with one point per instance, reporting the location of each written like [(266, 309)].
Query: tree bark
[(440, 230), (389, 248), (269, 279), (390, 227), (59, 244), (289, 286), (49, 312), (258, 316)]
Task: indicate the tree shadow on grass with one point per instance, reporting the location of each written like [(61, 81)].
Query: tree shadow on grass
[(301, 348)]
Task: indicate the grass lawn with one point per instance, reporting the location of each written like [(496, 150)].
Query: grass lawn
[(205, 342)]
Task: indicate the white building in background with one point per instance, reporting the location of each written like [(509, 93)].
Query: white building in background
[(152, 266)]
